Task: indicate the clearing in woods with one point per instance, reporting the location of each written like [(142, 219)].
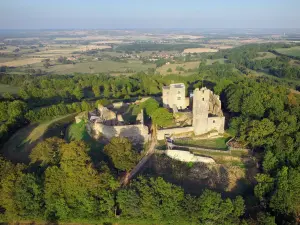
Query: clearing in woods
[(294, 51), (19, 146), (5, 88), (186, 66), (265, 55)]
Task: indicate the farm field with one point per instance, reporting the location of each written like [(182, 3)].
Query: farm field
[(4, 88), (188, 65), (294, 51), (97, 67), (21, 62), (199, 50), (19, 146)]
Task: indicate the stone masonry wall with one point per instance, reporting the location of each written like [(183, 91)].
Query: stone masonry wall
[(136, 133), (179, 130)]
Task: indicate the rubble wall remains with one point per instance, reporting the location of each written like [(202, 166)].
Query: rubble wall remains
[(136, 133)]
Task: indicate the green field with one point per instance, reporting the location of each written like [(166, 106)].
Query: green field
[(18, 147), (4, 88), (216, 143), (265, 55), (294, 51), (211, 61), (97, 67)]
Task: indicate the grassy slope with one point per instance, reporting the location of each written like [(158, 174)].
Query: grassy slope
[(18, 147)]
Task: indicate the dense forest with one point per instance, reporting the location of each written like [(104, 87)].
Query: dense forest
[(63, 183)]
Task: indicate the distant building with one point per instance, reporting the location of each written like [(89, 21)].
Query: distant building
[(174, 96)]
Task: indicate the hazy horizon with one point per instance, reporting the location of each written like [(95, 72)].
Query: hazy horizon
[(133, 14)]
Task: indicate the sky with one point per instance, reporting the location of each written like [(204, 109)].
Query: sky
[(122, 14)]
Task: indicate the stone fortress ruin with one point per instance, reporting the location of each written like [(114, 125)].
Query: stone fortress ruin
[(108, 122), (198, 114), (206, 114)]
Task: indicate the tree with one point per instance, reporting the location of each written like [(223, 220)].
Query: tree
[(47, 152), (150, 105), (47, 63), (214, 210), (8, 96), (78, 92), (162, 117), (169, 70), (265, 219), (270, 161), (96, 91), (17, 109), (121, 153), (259, 133)]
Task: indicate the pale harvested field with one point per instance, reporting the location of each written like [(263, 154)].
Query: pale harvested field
[(199, 50), (108, 42), (21, 62)]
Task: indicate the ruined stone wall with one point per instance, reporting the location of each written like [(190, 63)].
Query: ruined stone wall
[(173, 131), (216, 123), (136, 133)]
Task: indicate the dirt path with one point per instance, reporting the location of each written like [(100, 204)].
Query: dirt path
[(142, 162)]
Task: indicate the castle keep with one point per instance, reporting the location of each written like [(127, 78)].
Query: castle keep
[(207, 115)]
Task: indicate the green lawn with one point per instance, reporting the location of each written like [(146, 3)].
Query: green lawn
[(217, 143), (4, 88), (294, 51)]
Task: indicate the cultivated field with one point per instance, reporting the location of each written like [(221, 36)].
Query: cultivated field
[(294, 51), (199, 50), (98, 67), (21, 62)]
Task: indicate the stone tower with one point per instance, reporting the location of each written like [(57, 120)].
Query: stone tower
[(200, 110), (174, 96)]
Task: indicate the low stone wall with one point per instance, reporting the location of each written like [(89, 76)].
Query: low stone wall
[(173, 131), (186, 156), (203, 149), (136, 133)]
